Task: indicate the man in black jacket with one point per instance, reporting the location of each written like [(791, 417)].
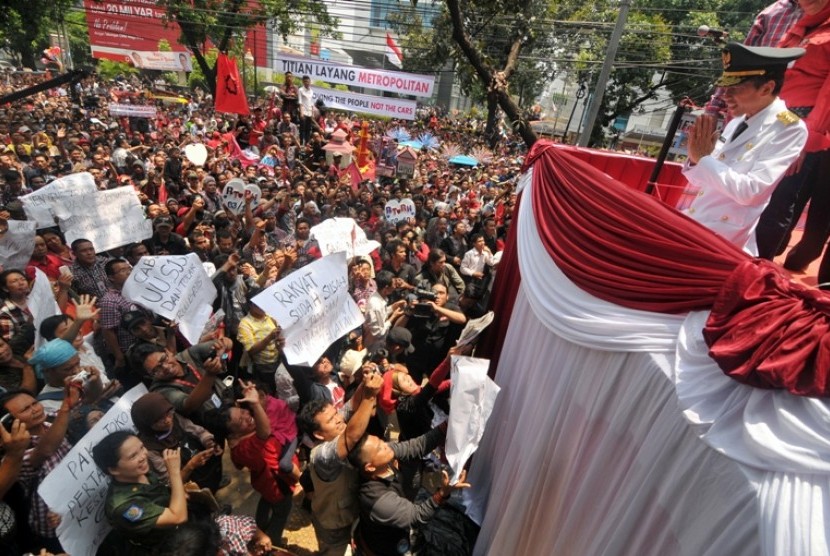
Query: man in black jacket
[(386, 516)]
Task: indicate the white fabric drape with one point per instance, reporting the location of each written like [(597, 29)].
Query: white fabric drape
[(577, 316), (615, 433), (587, 453)]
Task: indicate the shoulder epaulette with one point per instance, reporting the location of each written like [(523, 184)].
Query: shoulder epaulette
[(787, 118)]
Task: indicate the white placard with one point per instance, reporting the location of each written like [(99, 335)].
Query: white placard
[(313, 307), (108, 219), (333, 72), (398, 211), (233, 195), (17, 244), (196, 153), (71, 191), (472, 395), (335, 235), (132, 110), (399, 108), (175, 287), (77, 490)]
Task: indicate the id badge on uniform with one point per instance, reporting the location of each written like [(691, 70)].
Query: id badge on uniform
[(217, 403)]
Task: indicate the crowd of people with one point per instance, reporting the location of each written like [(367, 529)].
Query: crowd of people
[(353, 431)]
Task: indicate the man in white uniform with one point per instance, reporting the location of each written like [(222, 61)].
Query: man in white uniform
[(738, 170)]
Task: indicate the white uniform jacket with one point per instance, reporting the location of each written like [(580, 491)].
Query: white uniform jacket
[(738, 178)]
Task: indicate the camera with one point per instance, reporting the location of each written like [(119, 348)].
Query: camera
[(418, 309), (422, 294)]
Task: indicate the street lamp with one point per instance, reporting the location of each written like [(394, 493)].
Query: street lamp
[(249, 59)]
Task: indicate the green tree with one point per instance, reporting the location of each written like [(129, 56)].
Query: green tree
[(78, 34), (224, 22), (496, 48), (25, 26)]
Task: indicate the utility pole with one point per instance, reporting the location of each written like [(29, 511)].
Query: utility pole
[(605, 73)]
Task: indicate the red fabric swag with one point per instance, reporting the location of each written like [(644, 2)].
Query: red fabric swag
[(770, 332), (621, 245)]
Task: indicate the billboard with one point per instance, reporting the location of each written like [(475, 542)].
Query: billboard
[(127, 30)]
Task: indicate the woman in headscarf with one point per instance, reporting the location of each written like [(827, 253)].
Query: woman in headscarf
[(160, 428)]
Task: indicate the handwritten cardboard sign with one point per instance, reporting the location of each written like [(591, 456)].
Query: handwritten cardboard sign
[(313, 307), (70, 192), (108, 219), (175, 287), (17, 243), (334, 235), (76, 489)]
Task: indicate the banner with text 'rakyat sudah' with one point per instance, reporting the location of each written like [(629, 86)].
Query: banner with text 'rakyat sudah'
[(313, 307)]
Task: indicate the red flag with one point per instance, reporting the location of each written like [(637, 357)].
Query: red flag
[(230, 92), (235, 151), (354, 174), (393, 51)]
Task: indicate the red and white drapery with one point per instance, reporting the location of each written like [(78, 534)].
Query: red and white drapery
[(608, 384)]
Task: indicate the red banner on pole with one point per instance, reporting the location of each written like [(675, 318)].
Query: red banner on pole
[(230, 92)]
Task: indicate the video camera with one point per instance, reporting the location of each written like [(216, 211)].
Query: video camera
[(420, 309)]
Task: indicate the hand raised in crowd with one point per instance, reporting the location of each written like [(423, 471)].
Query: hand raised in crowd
[(446, 489), (73, 394), (372, 382), (290, 256), (247, 270), (15, 442), (211, 444), (65, 280), (173, 460), (85, 308), (466, 349), (250, 394), (198, 460)]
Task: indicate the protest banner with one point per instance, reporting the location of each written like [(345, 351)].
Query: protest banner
[(473, 395), (398, 211), (132, 110), (335, 235), (70, 191), (333, 72), (366, 104), (108, 219), (17, 241), (313, 307), (175, 287), (76, 489)]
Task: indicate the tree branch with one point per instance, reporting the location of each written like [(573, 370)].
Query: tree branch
[(496, 83)]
